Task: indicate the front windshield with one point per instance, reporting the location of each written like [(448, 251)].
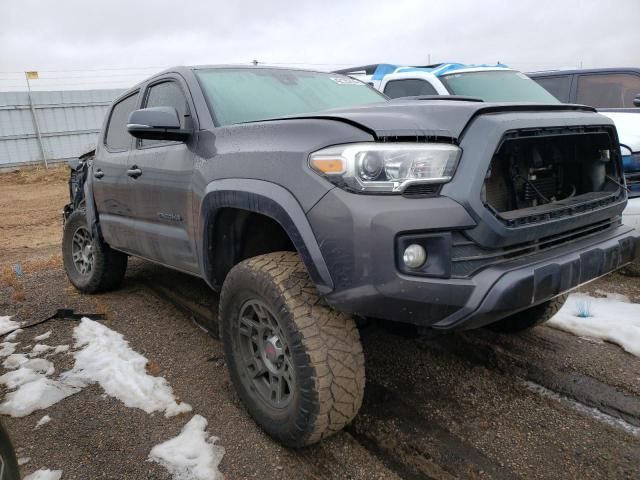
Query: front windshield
[(497, 86), (238, 95)]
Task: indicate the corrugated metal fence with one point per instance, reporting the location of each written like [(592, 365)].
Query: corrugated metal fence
[(69, 122)]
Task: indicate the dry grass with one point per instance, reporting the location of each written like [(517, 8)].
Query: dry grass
[(8, 277), (58, 173)]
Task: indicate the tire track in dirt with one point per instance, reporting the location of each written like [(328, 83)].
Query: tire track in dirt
[(484, 348)]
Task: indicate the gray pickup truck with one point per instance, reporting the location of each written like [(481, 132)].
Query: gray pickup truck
[(310, 201)]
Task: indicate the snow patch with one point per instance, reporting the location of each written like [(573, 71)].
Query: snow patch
[(43, 421), (39, 349), (14, 361), (44, 474), (191, 455), (8, 348), (612, 318), (14, 334), (35, 395), (34, 390), (23, 460), (107, 359), (59, 349), (6, 325), (44, 336)]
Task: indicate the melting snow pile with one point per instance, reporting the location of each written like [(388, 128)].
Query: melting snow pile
[(107, 359), (6, 325), (104, 357), (191, 455), (44, 336), (43, 474), (612, 318), (8, 348), (35, 391), (43, 421)]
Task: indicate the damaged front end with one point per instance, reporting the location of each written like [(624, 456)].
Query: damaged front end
[(543, 174), (79, 170)]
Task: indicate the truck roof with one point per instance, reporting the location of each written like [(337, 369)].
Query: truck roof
[(545, 73), (379, 70)]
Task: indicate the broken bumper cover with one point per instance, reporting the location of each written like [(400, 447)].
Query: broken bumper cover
[(496, 291)]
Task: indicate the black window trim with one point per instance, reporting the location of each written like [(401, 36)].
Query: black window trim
[(106, 131), (143, 104), (572, 84), (435, 90)]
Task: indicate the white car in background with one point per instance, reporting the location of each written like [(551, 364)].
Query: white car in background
[(499, 83)]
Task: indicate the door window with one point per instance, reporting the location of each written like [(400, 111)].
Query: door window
[(167, 94), (608, 90), (117, 137), (408, 87), (559, 87)]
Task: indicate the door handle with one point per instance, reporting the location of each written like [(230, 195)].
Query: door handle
[(134, 172), (98, 174)]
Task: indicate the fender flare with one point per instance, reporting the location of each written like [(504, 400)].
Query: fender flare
[(273, 201)]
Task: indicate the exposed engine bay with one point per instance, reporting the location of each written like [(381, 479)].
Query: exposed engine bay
[(539, 173)]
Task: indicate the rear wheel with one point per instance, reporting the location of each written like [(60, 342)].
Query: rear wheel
[(529, 318), (296, 364), (91, 265)]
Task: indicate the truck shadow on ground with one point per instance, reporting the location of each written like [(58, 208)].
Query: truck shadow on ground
[(475, 404)]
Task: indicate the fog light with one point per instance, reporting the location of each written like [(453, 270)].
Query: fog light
[(414, 256)]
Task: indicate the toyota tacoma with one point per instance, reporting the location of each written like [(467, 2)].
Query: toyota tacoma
[(309, 200)]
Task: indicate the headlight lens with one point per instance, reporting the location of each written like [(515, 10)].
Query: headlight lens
[(385, 167)]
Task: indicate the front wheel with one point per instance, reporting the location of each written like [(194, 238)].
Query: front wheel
[(8, 462), (296, 364), (529, 318), (91, 265)]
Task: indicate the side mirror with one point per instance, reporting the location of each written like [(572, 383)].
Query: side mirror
[(636, 101), (156, 123)]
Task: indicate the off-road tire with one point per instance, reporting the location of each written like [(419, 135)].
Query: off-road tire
[(109, 266), (8, 462), (324, 344), (529, 318)]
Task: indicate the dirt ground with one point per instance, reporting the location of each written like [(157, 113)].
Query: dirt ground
[(545, 404)]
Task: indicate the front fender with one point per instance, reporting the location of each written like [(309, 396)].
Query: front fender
[(273, 201)]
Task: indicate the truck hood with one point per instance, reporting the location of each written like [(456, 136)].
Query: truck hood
[(432, 119), (628, 126)]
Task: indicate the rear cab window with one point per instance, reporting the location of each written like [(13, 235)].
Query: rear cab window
[(408, 87), (117, 137)]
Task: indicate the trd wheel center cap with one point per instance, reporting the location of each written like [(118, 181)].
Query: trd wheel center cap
[(273, 349)]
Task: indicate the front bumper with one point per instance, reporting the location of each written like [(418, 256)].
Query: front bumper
[(357, 242)]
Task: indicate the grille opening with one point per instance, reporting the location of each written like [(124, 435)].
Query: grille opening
[(544, 174)]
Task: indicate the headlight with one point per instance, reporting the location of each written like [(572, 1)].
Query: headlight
[(385, 167)]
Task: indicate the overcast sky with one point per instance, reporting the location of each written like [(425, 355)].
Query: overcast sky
[(114, 43)]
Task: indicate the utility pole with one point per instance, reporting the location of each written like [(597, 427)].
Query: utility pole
[(34, 76)]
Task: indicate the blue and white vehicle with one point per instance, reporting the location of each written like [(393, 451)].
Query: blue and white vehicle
[(499, 83), (490, 83)]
